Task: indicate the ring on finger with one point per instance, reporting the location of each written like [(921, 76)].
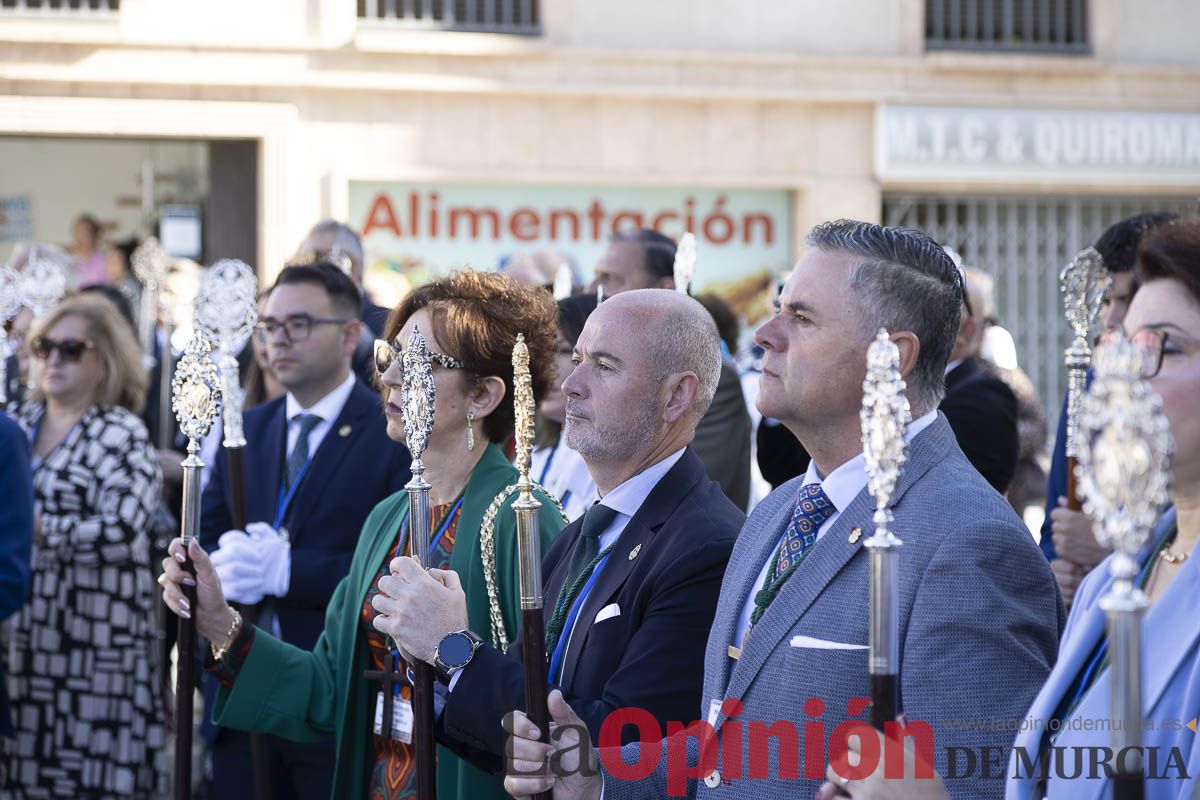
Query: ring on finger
[(162, 579)]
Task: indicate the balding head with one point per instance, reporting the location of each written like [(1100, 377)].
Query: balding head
[(679, 335), (647, 365)]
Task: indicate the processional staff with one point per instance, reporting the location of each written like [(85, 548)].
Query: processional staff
[(420, 397), (150, 265), (1083, 284), (885, 414), (685, 262), (196, 395), (529, 551), (1124, 447), (10, 304), (226, 310), (40, 285)]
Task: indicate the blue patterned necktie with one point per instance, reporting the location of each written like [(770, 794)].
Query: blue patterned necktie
[(812, 509), (299, 455)]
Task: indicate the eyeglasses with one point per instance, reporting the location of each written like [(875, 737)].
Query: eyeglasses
[(69, 350), (1152, 342), (387, 352), (296, 328)]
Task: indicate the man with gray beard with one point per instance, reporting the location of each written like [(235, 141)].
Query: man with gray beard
[(631, 587)]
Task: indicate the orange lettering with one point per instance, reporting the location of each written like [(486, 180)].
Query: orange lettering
[(382, 215)]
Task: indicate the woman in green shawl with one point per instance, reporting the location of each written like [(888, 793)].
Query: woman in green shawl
[(471, 321)]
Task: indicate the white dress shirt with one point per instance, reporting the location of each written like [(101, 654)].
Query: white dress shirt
[(328, 408), (841, 487)]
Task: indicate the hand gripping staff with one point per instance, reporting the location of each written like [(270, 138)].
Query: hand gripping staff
[(196, 396)]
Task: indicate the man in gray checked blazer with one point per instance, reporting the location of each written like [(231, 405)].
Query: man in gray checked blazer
[(980, 614)]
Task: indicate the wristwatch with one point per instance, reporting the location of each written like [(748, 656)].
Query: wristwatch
[(454, 652)]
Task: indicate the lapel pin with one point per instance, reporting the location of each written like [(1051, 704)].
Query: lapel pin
[(344, 431), (634, 552), (855, 534)]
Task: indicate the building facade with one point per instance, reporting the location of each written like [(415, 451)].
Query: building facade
[(1012, 129)]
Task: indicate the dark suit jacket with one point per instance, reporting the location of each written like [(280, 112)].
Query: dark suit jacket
[(665, 575), (349, 475), (16, 535), (982, 410), (723, 438), (374, 316)]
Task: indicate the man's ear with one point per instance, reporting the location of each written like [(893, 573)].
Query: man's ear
[(350, 335), (681, 395), (910, 350)]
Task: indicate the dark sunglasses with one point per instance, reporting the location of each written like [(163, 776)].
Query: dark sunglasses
[(68, 349), (386, 352)]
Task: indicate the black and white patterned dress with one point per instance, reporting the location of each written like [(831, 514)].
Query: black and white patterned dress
[(80, 673)]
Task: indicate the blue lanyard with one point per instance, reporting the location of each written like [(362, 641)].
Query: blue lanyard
[(569, 626), (285, 499), (437, 539), (549, 461)]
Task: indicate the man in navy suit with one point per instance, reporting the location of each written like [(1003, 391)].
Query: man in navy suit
[(316, 462), (16, 535), (632, 634)]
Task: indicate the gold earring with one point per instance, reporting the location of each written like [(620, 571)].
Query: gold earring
[(470, 430)]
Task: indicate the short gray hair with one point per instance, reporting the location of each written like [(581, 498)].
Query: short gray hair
[(903, 281), (345, 240), (682, 337), (686, 340)]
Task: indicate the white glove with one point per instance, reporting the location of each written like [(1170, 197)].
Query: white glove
[(253, 564)]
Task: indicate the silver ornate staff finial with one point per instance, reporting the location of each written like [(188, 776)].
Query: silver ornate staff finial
[(1083, 283), (196, 391), (1124, 448), (685, 262), (564, 281), (420, 396), (150, 264), (42, 282), (225, 311), (10, 303), (885, 415)]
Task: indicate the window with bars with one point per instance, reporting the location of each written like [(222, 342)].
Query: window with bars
[(1053, 26), (61, 7), (485, 16), (1023, 243)]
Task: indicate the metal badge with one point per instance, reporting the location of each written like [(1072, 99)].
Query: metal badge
[(225, 311)]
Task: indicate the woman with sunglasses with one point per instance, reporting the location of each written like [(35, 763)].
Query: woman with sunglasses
[(80, 661), (470, 322), (1069, 721)]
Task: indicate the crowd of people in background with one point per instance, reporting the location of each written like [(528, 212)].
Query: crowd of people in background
[(91, 482)]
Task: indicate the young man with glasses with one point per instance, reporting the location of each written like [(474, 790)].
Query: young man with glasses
[(316, 462)]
